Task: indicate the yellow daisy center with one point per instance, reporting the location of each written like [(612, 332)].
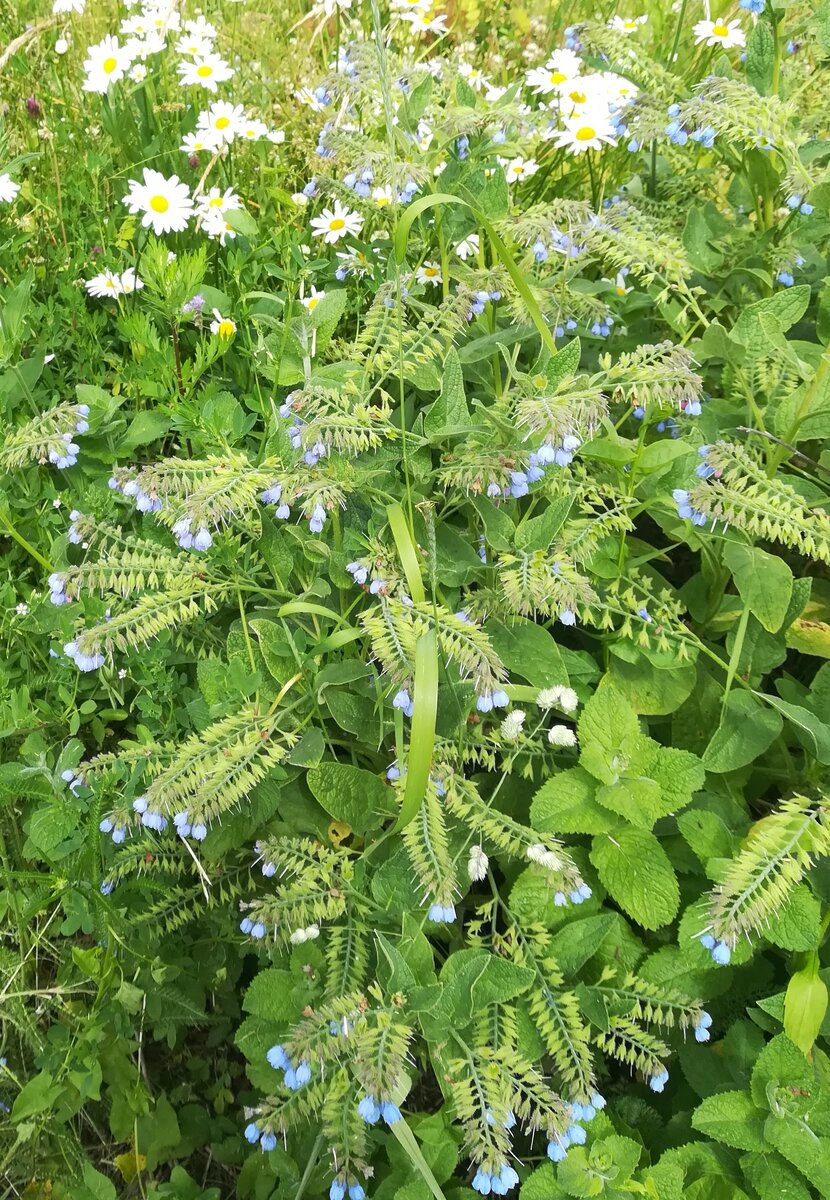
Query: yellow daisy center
[(216, 202), (159, 204), (109, 283), (620, 291), (226, 328), (109, 65), (312, 303), (630, 25), (557, 77), (222, 122), (204, 72), (585, 134), (337, 223), (720, 30), (578, 97), (431, 272), (381, 200)]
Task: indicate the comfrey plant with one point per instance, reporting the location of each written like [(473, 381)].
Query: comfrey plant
[(425, 610)]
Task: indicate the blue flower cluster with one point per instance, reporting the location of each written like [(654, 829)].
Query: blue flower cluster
[(702, 1026), (254, 1134), (372, 1110), (576, 896), (254, 929), (497, 1182), (119, 832), (575, 1135), (479, 303), (295, 1075), (57, 589), (404, 702), (685, 509), (658, 1082), (84, 662), (273, 495), (679, 135), (340, 1188), (67, 454), (187, 828), (487, 701), (797, 201), (442, 913), (720, 951)]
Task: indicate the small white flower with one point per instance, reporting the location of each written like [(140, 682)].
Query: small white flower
[(720, 33), (545, 858), (512, 724), (558, 697), (252, 130), (586, 131), (200, 27), (216, 201), (56, 503), (277, 136), (138, 72), (561, 735), (22, 609), (469, 247), (130, 282), (519, 169), (61, 45), (8, 189), (334, 224), (422, 22), (122, 674), (473, 76), (477, 864), (194, 143), (107, 284), (195, 46), (297, 937), (382, 196), (222, 327), (429, 272)]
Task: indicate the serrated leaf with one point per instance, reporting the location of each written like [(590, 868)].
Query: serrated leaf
[(350, 794), (565, 804), (634, 868), (731, 1118), (449, 414)]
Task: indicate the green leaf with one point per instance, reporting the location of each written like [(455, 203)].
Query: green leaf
[(351, 794), (780, 1065), (764, 581), (36, 1095), (812, 733), (747, 729), (528, 650), (797, 923), (565, 804), (805, 1004), (731, 1118), (784, 307), (609, 735), (542, 1184), (270, 996), (449, 414), (772, 1177), (576, 1175), (538, 533), (473, 979), (760, 57), (634, 868)]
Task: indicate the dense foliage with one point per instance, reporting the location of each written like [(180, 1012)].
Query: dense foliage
[(416, 701)]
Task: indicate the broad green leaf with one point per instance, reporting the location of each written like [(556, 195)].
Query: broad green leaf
[(812, 733), (579, 940), (528, 650), (538, 533), (805, 1005), (796, 924), (36, 1095), (764, 581), (781, 1065), (542, 1184), (269, 996), (449, 414), (636, 871), (785, 307), (731, 1118), (609, 735), (760, 57), (473, 979), (351, 794), (772, 1177), (565, 804), (747, 729)]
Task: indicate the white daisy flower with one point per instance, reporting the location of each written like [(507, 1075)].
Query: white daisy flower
[(720, 33), (194, 143), (252, 130), (216, 201), (68, 6), (207, 71), (334, 224), (163, 17), (424, 136), (469, 247), (136, 27), (544, 80), (222, 120), (473, 76), (429, 272), (105, 285), (628, 24), (222, 327), (8, 189), (383, 196), (107, 63), (164, 203), (519, 169), (130, 282), (200, 27), (306, 97), (586, 132), (313, 300), (217, 226), (138, 72), (195, 46), (422, 22), (277, 136)]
